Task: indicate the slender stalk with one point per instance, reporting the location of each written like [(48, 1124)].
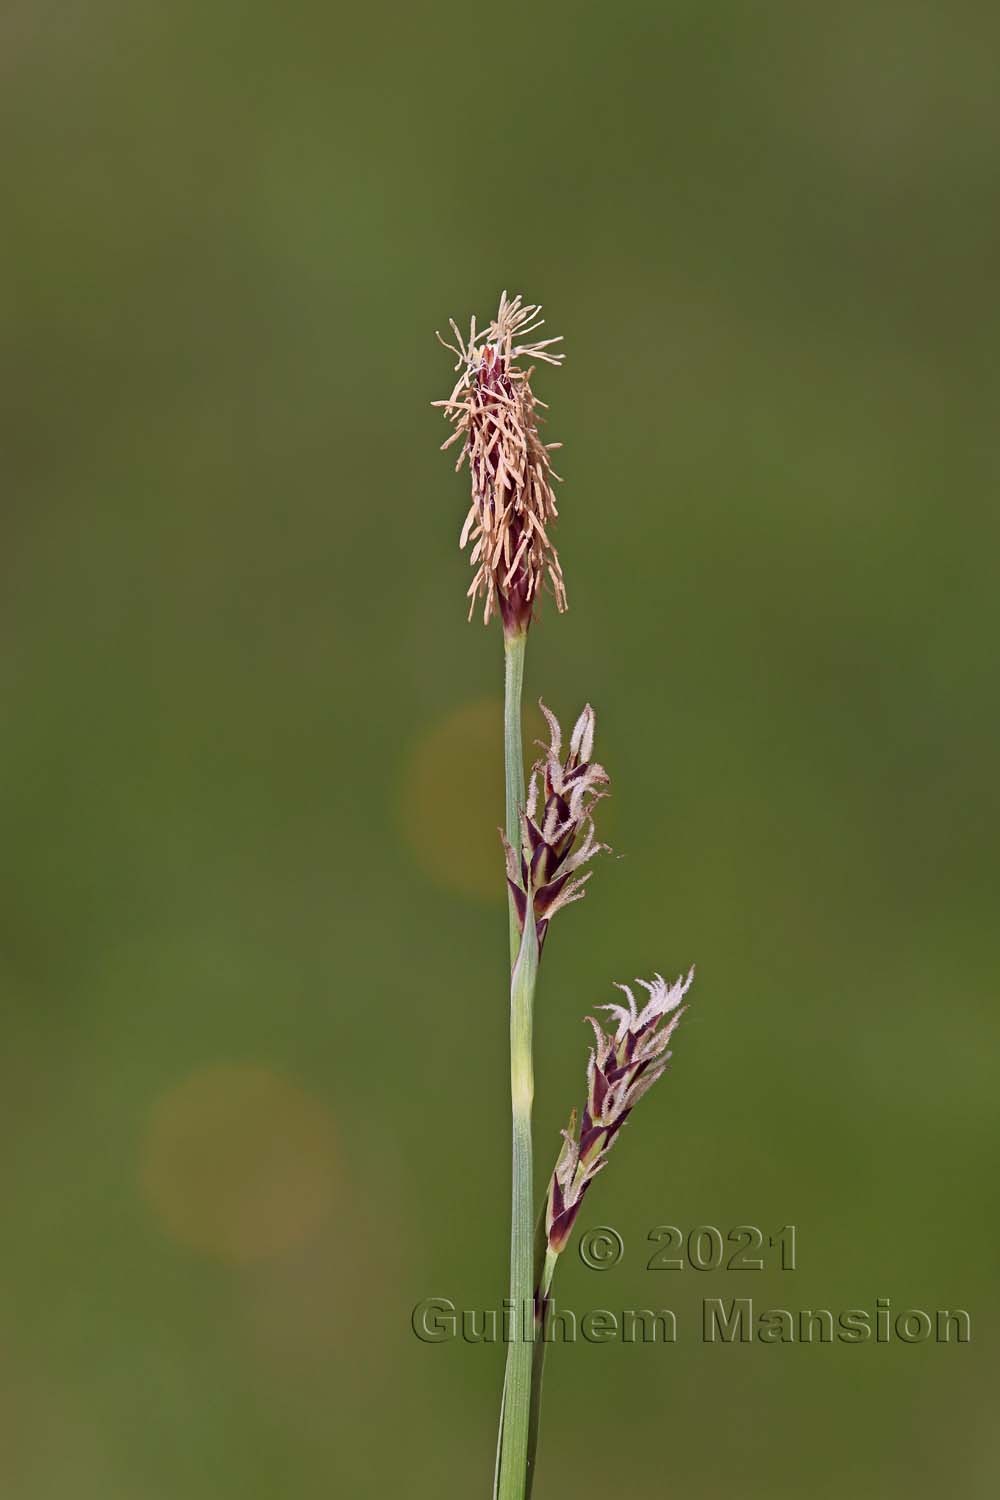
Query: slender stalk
[(514, 1437), (515, 1412), (513, 646), (538, 1361)]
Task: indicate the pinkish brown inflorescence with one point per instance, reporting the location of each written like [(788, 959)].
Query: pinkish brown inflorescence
[(623, 1066), (556, 843), (495, 416)]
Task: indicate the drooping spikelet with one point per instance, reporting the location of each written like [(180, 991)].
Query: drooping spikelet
[(561, 839), (623, 1066), (495, 416)]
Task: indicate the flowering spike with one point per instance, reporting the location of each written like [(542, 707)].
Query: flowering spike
[(555, 845), (620, 1070), (495, 417)]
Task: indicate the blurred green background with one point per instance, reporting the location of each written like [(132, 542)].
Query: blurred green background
[(251, 937)]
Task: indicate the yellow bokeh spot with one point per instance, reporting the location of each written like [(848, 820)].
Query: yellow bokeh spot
[(453, 797), (238, 1162)]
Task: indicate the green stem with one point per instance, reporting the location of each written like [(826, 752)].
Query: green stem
[(510, 1481), (538, 1364), (514, 1437), (548, 1271), (513, 754)]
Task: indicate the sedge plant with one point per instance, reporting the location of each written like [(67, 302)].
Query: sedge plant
[(549, 838)]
